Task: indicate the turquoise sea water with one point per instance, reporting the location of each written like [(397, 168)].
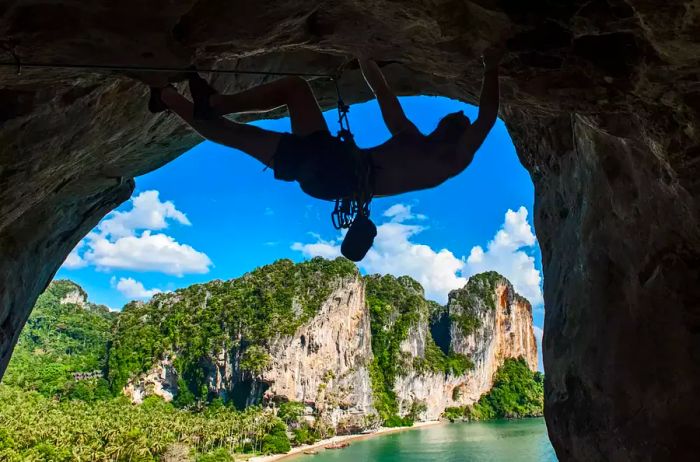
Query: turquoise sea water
[(508, 440)]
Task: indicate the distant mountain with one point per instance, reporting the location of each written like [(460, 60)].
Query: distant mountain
[(356, 351), (65, 337)]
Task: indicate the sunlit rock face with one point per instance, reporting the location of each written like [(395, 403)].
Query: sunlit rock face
[(160, 380), (326, 362), (504, 330), (601, 99)]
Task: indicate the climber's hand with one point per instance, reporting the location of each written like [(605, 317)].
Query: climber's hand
[(492, 58)]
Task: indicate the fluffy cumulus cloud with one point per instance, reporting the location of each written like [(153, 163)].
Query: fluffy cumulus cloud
[(402, 212), (74, 260), (506, 254), (131, 288), (147, 212), (127, 241), (319, 248), (147, 252), (397, 251)]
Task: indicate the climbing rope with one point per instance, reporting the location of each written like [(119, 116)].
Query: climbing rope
[(343, 122), (18, 64)]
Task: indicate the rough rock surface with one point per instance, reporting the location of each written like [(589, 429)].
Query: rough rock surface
[(601, 98), (77, 297), (324, 365), (160, 380), (505, 331), (325, 362)]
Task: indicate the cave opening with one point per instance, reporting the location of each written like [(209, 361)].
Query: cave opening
[(600, 98), (215, 213), (221, 214)]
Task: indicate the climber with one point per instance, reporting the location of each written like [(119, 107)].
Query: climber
[(325, 166)]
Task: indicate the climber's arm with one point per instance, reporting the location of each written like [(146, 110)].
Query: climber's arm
[(488, 112), (392, 112)]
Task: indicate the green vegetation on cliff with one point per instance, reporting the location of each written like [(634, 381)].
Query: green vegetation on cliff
[(58, 340), (480, 290), (61, 396), (202, 320), (517, 392), (435, 360), (397, 305)]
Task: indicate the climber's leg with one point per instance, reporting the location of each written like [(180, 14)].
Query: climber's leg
[(254, 141), (294, 92)]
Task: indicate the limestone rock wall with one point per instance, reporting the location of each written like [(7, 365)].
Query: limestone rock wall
[(76, 297), (505, 331), (600, 98), (324, 365), (326, 362), (618, 226), (160, 380)]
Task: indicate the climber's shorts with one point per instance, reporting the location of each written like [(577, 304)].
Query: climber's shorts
[(325, 166)]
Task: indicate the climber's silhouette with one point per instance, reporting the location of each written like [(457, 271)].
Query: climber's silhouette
[(327, 167)]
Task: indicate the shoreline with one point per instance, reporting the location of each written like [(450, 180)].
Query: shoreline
[(321, 444)]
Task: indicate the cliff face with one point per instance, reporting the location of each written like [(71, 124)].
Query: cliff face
[(504, 330), (160, 381), (325, 363), (501, 327)]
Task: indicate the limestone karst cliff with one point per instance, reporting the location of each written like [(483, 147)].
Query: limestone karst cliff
[(600, 98), (487, 321), (329, 365)]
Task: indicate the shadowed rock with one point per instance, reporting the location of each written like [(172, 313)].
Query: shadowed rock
[(600, 97)]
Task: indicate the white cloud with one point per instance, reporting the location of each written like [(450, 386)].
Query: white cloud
[(505, 255), (396, 252), (147, 252), (147, 212), (132, 288), (74, 260), (320, 248), (125, 240), (399, 213)]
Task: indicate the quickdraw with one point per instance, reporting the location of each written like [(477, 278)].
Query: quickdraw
[(347, 209)]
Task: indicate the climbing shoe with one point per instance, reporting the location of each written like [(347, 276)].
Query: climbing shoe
[(359, 238)]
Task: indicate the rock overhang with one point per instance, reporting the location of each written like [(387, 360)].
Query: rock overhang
[(600, 98)]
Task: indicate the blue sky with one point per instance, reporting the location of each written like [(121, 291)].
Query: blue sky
[(215, 214)]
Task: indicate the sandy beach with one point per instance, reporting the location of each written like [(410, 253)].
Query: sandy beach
[(319, 445)]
